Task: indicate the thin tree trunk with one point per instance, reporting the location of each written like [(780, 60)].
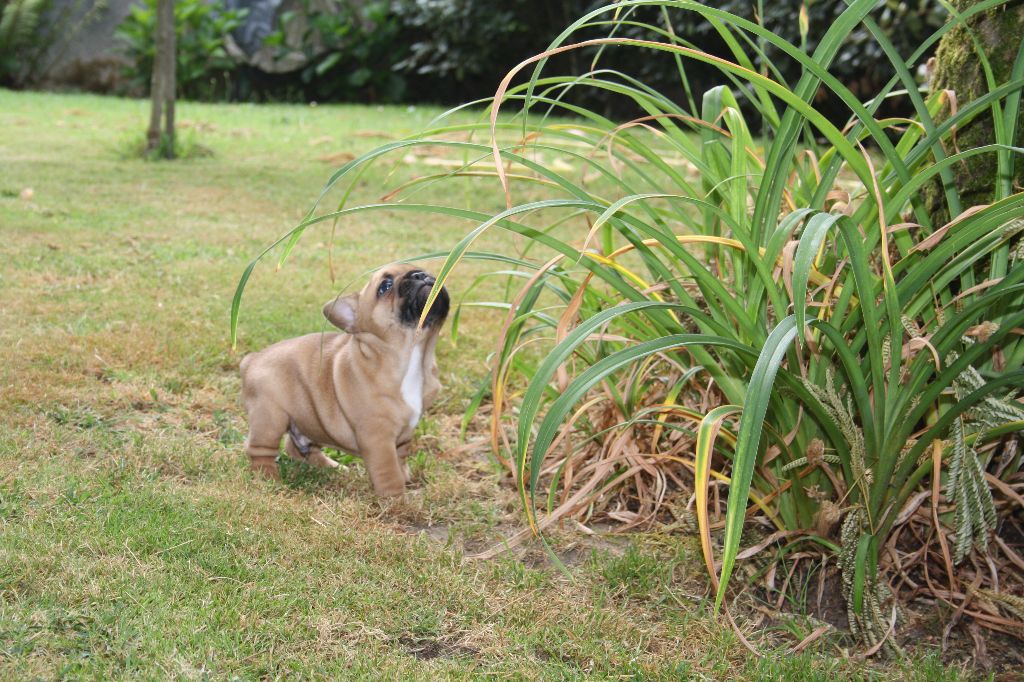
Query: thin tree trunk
[(163, 84)]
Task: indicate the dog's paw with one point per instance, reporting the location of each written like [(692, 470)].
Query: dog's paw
[(318, 459), (390, 492), (265, 465)]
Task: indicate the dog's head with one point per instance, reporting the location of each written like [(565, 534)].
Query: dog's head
[(390, 303)]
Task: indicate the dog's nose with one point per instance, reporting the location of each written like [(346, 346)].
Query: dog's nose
[(421, 276)]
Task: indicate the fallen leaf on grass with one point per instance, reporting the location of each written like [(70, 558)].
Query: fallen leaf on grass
[(337, 157), (200, 126)]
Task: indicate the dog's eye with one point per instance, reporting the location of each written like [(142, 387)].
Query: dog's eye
[(385, 286)]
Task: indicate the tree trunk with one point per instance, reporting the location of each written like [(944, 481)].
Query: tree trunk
[(163, 85), (957, 68)]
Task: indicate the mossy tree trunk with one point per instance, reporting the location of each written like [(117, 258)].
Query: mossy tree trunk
[(957, 68), (160, 142)]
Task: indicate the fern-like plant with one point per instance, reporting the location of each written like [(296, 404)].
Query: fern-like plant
[(19, 20), (35, 35)]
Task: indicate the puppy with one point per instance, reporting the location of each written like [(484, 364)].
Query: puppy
[(362, 391)]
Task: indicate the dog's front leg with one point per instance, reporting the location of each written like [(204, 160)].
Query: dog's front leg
[(404, 449), (381, 459)]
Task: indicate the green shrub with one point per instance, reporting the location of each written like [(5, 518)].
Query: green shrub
[(351, 50), (459, 46), (204, 68), (451, 50), (779, 312)]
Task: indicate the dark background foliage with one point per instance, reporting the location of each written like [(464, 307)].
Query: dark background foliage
[(461, 48), (204, 67), (351, 53), (453, 51)]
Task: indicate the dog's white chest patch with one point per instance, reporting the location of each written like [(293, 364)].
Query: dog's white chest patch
[(412, 385)]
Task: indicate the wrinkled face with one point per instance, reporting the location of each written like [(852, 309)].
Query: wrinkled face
[(405, 288), (395, 297)]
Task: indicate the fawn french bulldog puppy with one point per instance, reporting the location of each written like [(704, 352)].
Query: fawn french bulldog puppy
[(362, 391)]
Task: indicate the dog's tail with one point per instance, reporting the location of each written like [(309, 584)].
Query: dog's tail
[(245, 363)]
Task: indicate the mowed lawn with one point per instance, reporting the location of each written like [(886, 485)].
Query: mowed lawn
[(134, 542)]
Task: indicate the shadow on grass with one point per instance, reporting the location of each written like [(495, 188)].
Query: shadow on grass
[(305, 478)]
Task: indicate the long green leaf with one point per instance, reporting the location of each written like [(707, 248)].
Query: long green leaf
[(755, 407)]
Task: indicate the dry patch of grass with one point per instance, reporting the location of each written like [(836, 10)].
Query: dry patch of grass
[(133, 542)]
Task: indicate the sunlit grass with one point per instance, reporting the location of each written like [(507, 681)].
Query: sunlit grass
[(741, 293), (132, 540), (133, 543)]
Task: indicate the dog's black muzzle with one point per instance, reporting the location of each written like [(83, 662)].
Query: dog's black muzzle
[(414, 289)]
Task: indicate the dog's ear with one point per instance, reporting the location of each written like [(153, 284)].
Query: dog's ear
[(341, 312)]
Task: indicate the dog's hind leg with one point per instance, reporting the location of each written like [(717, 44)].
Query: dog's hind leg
[(317, 458), (267, 424), (301, 448)]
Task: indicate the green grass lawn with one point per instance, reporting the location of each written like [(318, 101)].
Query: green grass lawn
[(134, 542)]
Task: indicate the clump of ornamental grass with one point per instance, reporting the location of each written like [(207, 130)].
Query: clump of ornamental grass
[(700, 318)]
